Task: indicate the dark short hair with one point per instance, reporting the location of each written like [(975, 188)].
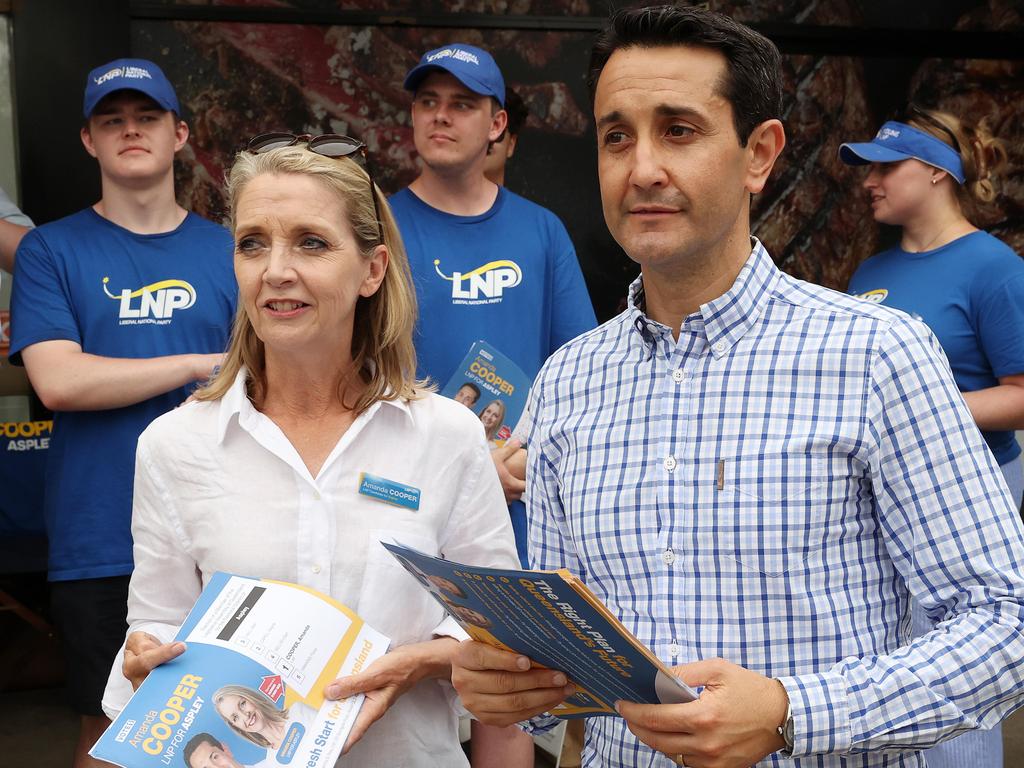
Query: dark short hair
[(751, 84), (517, 111), (472, 386), (195, 742)]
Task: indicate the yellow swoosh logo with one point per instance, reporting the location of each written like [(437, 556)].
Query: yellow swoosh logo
[(151, 288), (481, 270), (876, 296)]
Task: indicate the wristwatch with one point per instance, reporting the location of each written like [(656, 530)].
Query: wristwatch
[(786, 729)]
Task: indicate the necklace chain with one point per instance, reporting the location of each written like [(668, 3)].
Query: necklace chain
[(942, 231)]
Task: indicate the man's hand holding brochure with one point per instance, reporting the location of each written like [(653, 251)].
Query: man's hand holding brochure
[(588, 659), (250, 681)]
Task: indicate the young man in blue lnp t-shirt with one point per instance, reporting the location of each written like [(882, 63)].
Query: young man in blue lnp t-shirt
[(487, 264), (115, 310)]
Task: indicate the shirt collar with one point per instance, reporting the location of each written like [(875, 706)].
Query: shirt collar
[(726, 319), (236, 402)]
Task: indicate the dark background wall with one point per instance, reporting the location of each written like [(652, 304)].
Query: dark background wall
[(247, 66), (56, 42)]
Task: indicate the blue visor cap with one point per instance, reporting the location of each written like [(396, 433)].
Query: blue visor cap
[(129, 75), (899, 141), (471, 66)]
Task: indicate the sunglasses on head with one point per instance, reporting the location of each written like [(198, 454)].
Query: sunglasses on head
[(332, 145), (918, 112)]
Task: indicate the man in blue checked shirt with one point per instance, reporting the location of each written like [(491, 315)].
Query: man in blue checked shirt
[(754, 473)]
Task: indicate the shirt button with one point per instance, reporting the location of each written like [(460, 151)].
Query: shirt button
[(674, 650), (719, 346), (316, 495), (677, 375), (316, 569), (668, 556), (670, 463)]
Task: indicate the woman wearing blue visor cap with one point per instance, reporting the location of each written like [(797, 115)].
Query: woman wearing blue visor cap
[(967, 286)]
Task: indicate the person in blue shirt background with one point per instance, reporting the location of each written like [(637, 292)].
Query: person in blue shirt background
[(487, 264), (966, 285), (115, 310)]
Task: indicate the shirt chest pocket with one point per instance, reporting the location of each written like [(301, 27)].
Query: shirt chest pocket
[(772, 509)]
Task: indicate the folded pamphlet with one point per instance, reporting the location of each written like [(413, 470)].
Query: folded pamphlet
[(551, 617)]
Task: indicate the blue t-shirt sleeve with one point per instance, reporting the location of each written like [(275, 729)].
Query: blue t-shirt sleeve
[(40, 304), (572, 312), (999, 307), (854, 287)]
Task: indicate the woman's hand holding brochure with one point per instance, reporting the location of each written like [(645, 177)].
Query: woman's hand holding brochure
[(389, 677), (143, 653)]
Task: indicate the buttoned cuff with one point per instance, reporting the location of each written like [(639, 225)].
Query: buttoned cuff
[(821, 713)]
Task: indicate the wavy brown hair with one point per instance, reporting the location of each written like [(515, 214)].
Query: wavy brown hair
[(982, 154), (382, 347)]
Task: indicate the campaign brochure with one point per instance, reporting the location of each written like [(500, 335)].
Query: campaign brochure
[(491, 386), (554, 619), (250, 683)]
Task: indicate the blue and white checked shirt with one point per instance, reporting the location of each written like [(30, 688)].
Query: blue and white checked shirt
[(772, 488)]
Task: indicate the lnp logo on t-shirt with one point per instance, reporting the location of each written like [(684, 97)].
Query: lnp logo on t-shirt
[(152, 304), (876, 296), (485, 284)]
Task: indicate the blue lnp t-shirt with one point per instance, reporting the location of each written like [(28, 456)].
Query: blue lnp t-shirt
[(117, 294), (970, 292), (508, 276)]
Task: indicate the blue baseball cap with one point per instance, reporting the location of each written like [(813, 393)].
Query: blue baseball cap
[(474, 67), (899, 141), (129, 75)]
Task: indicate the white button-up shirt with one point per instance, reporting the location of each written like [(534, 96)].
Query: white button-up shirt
[(218, 487)]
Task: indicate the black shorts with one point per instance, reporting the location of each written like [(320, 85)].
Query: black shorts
[(91, 616)]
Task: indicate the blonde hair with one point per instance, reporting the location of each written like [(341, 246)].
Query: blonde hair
[(260, 701), (982, 154), (382, 347), (492, 430)]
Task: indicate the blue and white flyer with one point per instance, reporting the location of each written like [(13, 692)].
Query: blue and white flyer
[(248, 691), (493, 387)]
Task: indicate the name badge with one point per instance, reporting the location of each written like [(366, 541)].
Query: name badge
[(389, 491)]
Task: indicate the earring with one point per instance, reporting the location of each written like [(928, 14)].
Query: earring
[(935, 179)]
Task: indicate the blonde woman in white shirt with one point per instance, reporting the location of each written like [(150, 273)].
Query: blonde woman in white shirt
[(261, 475)]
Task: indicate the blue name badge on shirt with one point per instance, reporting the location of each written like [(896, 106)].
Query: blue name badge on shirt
[(389, 491)]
